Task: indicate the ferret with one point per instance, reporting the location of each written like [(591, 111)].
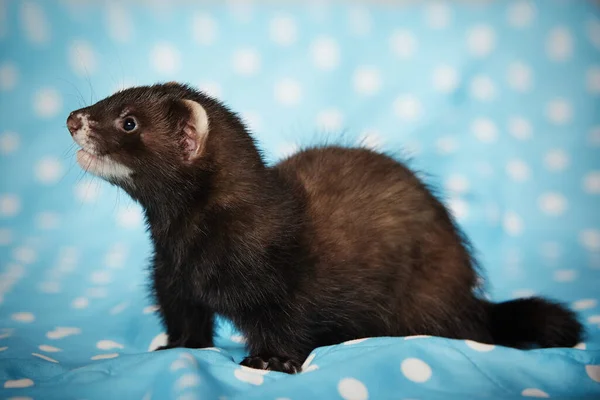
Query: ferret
[(331, 244)]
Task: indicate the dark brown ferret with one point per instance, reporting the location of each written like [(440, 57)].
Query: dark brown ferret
[(329, 245)]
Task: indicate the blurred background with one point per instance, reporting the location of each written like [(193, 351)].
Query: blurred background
[(495, 103)]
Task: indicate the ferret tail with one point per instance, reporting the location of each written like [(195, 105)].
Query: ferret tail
[(533, 322)]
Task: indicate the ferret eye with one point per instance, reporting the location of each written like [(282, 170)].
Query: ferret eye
[(129, 124)]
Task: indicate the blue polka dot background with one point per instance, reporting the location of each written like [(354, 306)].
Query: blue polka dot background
[(497, 104)]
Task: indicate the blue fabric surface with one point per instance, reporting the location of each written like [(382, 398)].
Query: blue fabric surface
[(498, 104)]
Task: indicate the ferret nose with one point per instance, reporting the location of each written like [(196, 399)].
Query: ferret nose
[(73, 123)]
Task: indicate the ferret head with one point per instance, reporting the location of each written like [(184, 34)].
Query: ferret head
[(143, 135)]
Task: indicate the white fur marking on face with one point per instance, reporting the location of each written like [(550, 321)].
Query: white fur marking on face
[(82, 135), (102, 166)]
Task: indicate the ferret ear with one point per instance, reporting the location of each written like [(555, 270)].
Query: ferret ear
[(195, 130)]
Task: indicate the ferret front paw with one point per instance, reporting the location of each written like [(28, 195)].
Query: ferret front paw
[(280, 364)]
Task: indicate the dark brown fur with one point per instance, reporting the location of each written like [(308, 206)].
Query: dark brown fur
[(329, 245)]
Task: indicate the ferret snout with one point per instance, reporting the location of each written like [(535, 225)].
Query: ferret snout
[(74, 122)]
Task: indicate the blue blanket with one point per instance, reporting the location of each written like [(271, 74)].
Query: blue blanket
[(497, 104)]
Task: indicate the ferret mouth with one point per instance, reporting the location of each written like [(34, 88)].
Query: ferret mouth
[(102, 166)]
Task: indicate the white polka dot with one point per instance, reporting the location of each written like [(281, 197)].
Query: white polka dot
[(287, 149), (96, 292), (591, 182), (6, 236), (283, 30), (82, 58), (49, 349), (34, 23), (105, 356), (532, 392), (552, 203), (48, 170), (482, 88), (325, 53), (457, 183), (48, 220), (482, 347), (556, 160), (18, 383), (204, 29), (416, 337), (352, 389), (88, 190), (518, 170), (130, 217), (43, 357), (559, 44), (445, 79), (150, 309), (590, 239), (62, 332), (80, 302), (49, 287), (481, 40), (551, 250), (584, 304), (484, 130), (367, 80), (437, 15), (559, 111), (521, 14), (446, 145), (512, 224), (25, 254), (520, 128), (416, 370), (523, 293), (9, 142), (458, 208), (212, 89), (238, 339), (565, 275), (519, 76), (308, 361), (47, 102), (10, 205), (178, 364), (407, 107), (593, 79), (359, 21), (116, 255), (241, 10), (159, 340), (249, 376), (288, 92), (354, 341), (252, 120), (370, 139), (246, 61), (403, 43), (593, 372), (594, 136), (187, 381), (9, 76), (594, 319), (580, 346), (118, 24), (593, 31), (330, 120), (119, 308), (108, 345), (23, 317), (165, 58)]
